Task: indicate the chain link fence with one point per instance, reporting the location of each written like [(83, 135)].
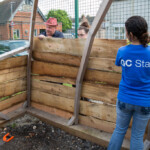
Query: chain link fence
[(15, 16)]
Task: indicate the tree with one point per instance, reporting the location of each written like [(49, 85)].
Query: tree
[(61, 16)]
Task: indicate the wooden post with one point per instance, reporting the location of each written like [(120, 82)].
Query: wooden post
[(32, 23), (84, 61)]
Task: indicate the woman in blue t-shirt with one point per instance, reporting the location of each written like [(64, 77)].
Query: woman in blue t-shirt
[(134, 88)]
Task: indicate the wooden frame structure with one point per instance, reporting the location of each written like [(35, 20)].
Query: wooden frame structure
[(84, 61), (26, 107)]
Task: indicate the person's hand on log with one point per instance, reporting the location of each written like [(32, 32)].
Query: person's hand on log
[(41, 37)]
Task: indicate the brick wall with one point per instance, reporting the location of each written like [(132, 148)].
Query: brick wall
[(4, 32), (22, 23)]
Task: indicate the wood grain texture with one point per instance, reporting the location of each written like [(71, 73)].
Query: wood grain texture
[(94, 63), (103, 48), (13, 62), (97, 92), (10, 102), (101, 111), (57, 70), (10, 88), (13, 74)]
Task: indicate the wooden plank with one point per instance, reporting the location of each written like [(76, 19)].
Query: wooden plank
[(13, 62), (12, 101), (7, 89), (52, 110), (20, 73), (103, 48), (55, 89), (43, 68), (52, 100), (94, 63), (104, 93), (57, 70), (97, 92), (101, 111), (13, 113), (100, 124), (57, 58), (84, 120), (84, 132), (103, 64), (5, 71), (54, 79)]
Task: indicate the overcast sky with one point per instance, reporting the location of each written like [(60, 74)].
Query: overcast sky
[(86, 7)]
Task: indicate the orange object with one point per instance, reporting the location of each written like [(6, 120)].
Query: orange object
[(7, 138)]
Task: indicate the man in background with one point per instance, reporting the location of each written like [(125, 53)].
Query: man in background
[(51, 25)]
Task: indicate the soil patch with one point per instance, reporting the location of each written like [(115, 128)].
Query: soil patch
[(32, 134)]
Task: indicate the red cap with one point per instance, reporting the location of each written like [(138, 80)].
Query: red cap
[(51, 22)]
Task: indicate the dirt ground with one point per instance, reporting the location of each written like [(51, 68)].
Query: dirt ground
[(32, 134)]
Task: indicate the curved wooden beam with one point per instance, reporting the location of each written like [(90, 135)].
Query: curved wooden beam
[(86, 53)]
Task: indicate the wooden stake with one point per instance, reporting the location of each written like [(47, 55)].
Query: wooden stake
[(84, 61), (32, 23)]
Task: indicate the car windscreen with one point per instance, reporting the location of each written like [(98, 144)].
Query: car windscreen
[(14, 45), (4, 47)]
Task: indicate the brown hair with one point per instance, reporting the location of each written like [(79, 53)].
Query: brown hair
[(84, 26), (137, 25)]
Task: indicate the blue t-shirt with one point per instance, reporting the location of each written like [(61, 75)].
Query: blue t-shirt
[(57, 34), (134, 87)]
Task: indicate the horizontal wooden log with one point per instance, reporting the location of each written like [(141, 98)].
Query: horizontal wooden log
[(101, 111), (52, 110), (70, 81), (93, 135), (84, 120), (13, 101), (13, 74), (57, 70), (10, 88), (13, 62), (94, 63), (103, 48), (13, 112), (55, 79), (103, 93), (100, 124), (10, 70), (57, 58), (52, 100), (54, 89), (104, 64)]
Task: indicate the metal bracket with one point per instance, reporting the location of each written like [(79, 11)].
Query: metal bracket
[(3, 116)]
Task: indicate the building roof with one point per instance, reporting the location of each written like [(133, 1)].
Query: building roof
[(5, 10)]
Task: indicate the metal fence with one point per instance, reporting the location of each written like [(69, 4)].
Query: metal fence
[(112, 27), (113, 24)]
